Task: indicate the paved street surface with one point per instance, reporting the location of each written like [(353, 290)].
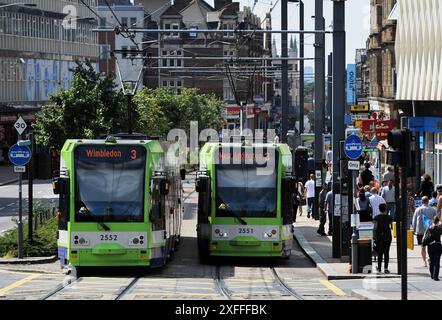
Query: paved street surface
[(185, 277), (9, 201)]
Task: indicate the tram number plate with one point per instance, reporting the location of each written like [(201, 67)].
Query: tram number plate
[(108, 237), (245, 230)]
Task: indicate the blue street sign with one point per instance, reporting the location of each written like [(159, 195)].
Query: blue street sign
[(19, 155), (353, 147)]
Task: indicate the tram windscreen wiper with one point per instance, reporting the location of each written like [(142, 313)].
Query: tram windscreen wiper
[(103, 225), (237, 216)]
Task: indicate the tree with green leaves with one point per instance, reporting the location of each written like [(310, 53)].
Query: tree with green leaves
[(160, 110), (88, 108)]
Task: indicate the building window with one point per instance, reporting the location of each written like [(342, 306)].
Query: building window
[(171, 63), (165, 82), (171, 83), (124, 54), (179, 63), (124, 22), (102, 22), (164, 62), (133, 22), (175, 26), (133, 49), (179, 83)]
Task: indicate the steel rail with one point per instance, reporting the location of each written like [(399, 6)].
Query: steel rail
[(287, 288), (220, 285), (59, 288), (127, 288)]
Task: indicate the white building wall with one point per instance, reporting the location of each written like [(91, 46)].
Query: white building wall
[(419, 50)]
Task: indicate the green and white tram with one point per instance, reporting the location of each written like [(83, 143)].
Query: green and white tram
[(245, 205), (120, 203)]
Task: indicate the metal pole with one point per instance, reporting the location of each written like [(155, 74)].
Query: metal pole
[(398, 219), (31, 187), (354, 236), (301, 67), (404, 234), (284, 72), (338, 114), (319, 100), (329, 91), (20, 214)]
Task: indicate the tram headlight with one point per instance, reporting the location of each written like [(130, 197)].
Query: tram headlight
[(270, 233), (220, 233)]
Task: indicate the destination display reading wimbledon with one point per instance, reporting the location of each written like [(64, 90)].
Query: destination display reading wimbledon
[(101, 171)]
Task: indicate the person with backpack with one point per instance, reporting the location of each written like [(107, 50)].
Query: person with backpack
[(432, 240), (382, 236), (362, 205), (422, 218)]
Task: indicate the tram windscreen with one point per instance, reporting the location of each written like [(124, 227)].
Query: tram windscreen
[(109, 183), (246, 190)]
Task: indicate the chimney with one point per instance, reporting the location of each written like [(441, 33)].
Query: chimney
[(221, 3)]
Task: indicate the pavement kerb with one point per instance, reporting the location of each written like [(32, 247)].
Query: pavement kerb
[(324, 266), (366, 295), (34, 260), (8, 182)]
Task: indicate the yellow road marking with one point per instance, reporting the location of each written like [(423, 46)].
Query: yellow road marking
[(332, 287), (5, 290)]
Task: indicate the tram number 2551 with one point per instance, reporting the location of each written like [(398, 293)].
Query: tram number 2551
[(245, 230), (108, 237)]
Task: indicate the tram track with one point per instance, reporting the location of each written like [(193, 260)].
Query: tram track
[(221, 285), (59, 288), (280, 287), (284, 285), (127, 288)]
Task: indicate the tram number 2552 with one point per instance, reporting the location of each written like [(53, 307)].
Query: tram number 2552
[(108, 237), (245, 230)]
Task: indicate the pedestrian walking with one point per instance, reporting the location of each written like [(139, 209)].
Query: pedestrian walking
[(322, 210), (433, 200), (300, 188), (439, 200), (329, 208), (382, 236), (426, 188), (389, 174), (362, 205), (423, 214), (297, 201), (388, 193), (432, 240), (375, 200), (366, 175), (310, 194)]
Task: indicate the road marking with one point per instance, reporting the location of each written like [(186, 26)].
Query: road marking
[(5, 290), (14, 272), (11, 204), (332, 287)]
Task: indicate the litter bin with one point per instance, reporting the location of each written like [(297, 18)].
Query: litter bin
[(364, 256)]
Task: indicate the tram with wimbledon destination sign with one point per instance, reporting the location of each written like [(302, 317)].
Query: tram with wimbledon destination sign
[(245, 200), (119, 203)]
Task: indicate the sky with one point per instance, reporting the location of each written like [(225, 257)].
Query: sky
[(357, 23)]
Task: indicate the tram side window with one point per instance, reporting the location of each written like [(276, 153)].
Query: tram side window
[(204, 203)]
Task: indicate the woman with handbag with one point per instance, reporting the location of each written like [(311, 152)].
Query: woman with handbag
[(382, 236), (432, 240)]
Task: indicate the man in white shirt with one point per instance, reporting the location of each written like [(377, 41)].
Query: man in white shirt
[(375, 200), (310, 194)]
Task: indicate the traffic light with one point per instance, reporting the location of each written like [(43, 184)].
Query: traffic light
[(401, 141)]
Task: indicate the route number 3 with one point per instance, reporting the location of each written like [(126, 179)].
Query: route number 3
[(133, 154)]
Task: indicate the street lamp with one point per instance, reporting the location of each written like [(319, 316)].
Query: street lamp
[(18, 4)]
